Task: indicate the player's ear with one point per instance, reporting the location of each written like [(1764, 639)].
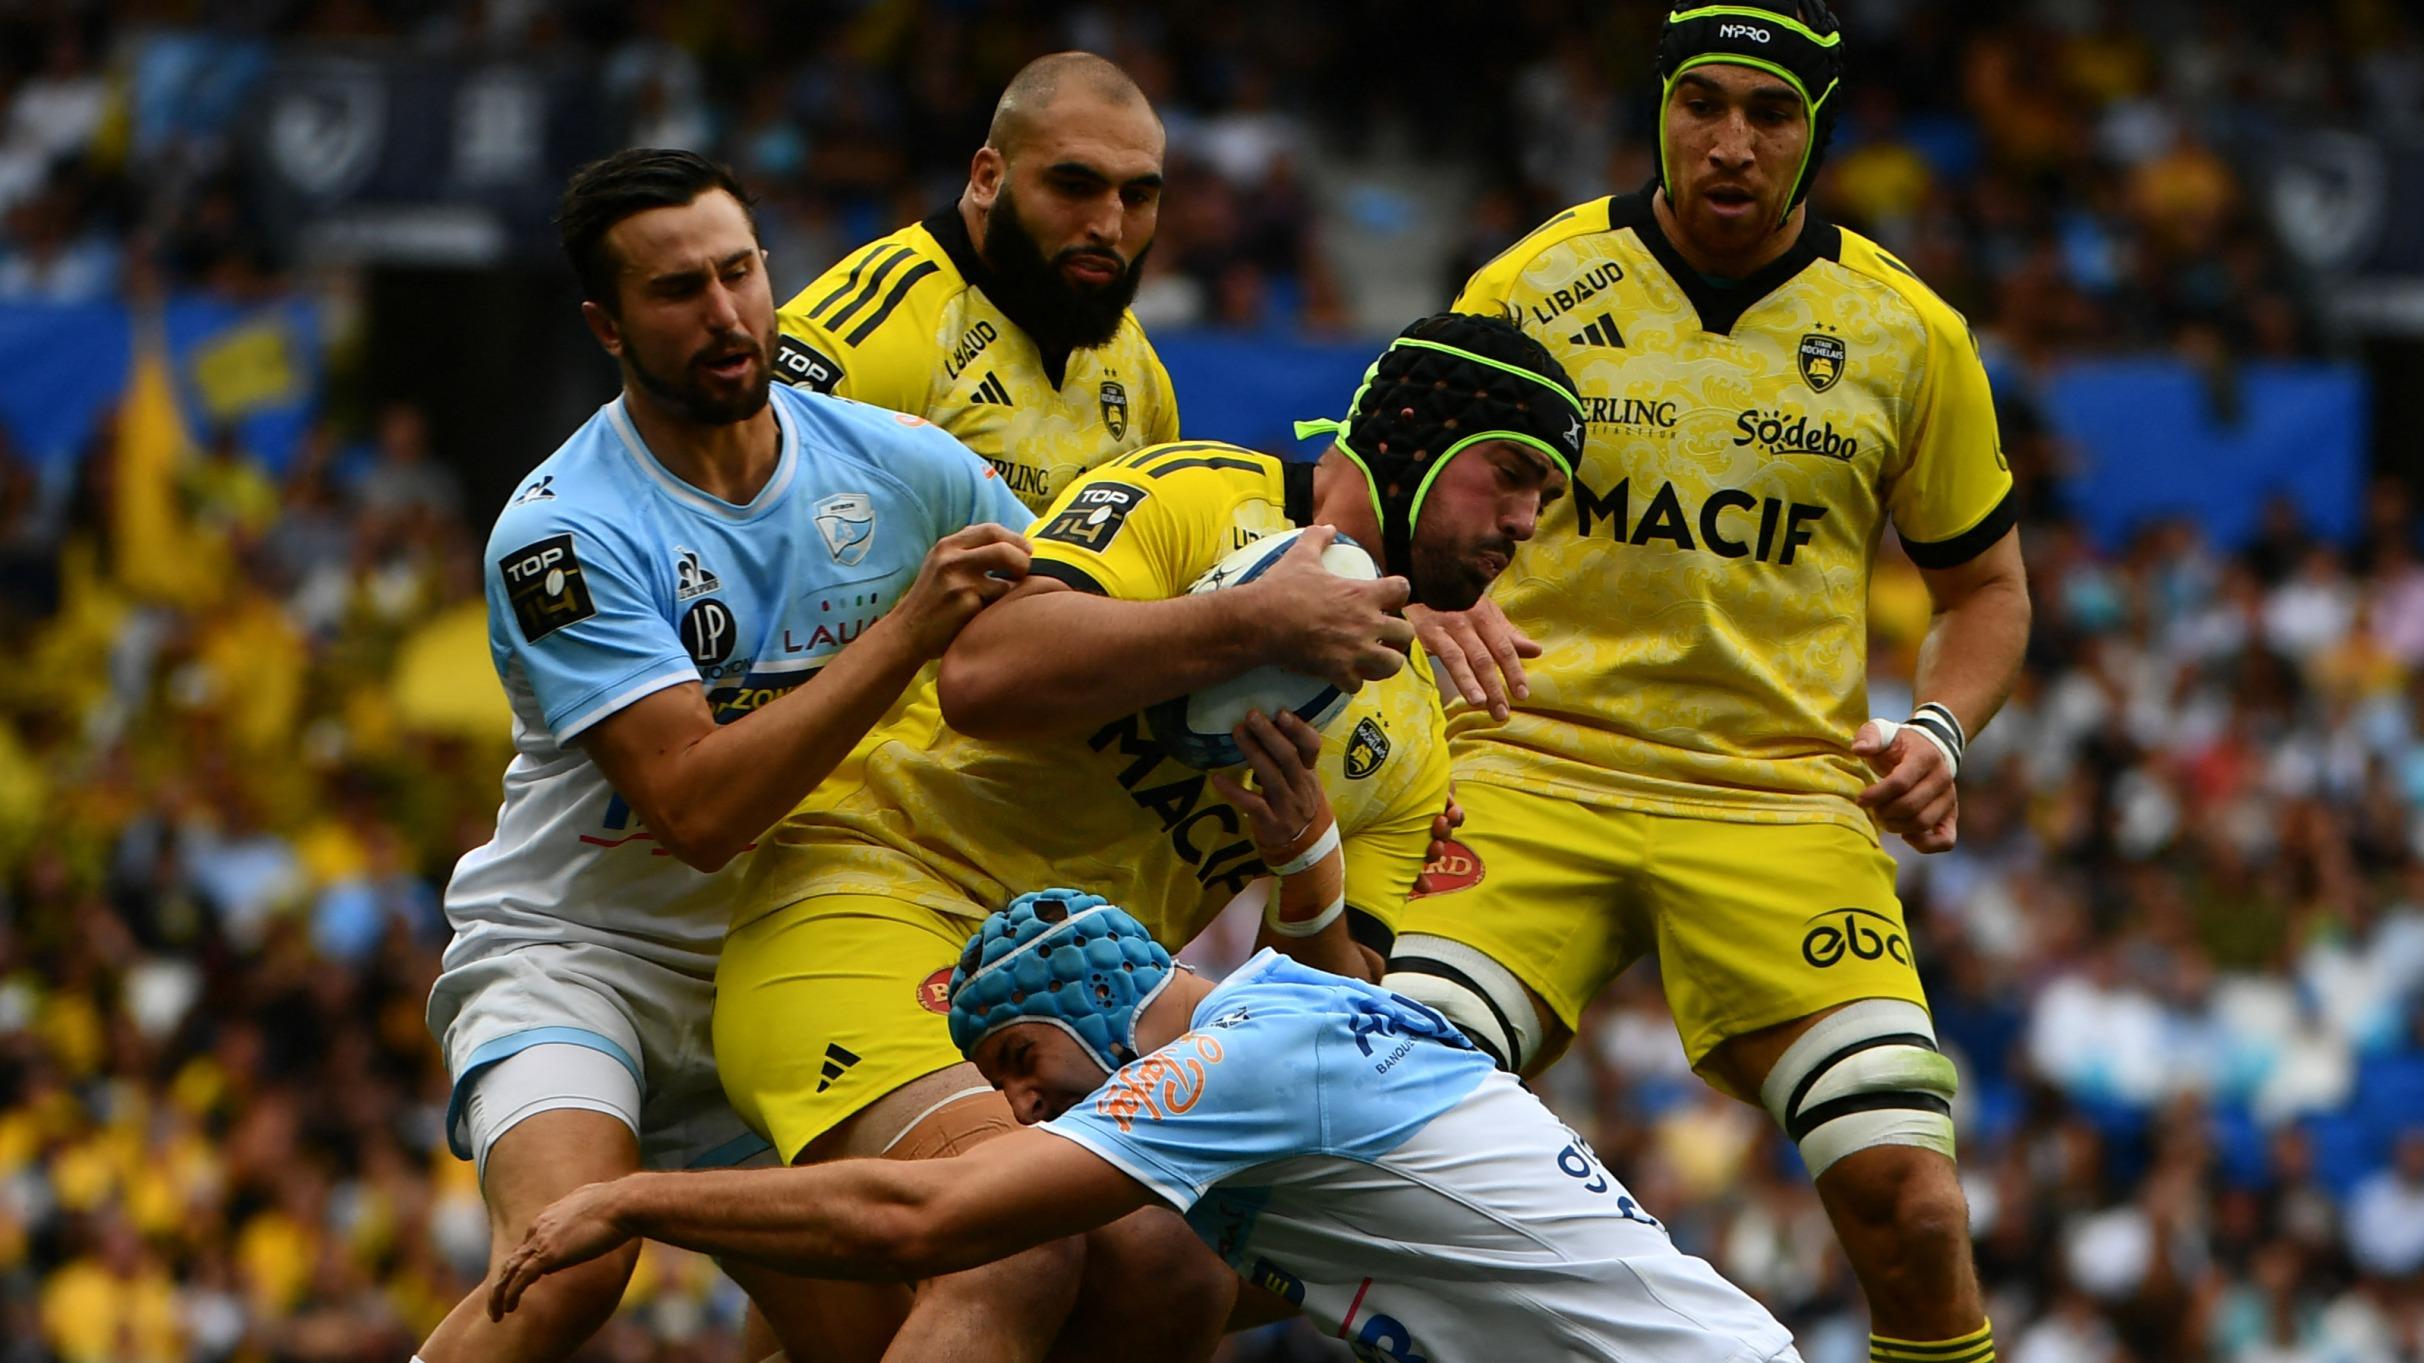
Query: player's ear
[(602, 324), (986, 171)]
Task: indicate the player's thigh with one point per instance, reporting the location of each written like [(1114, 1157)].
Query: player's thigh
[(549, 1154), (930, 1117), (1761, 925), (543, 1028), (1540, 884), (828, 1008)]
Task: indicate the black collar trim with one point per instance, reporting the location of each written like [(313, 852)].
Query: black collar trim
[(950, 231), (1720, 309), (1296, 490)]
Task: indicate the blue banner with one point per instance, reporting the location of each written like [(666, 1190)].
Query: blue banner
[(2154, 438), (1249, 388), (2151, 437), (253, 368)]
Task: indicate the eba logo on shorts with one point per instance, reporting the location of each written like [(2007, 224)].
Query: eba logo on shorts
[(1458, 868), (1831, 938), (934, 992), (1278, 1281)]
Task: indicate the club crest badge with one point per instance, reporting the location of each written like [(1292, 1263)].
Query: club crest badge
[(1367, 748), (847, 521), (1821, 361)]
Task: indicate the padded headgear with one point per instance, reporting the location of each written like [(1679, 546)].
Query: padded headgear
[(1449, 381), (1071, 959), (1807, 53)]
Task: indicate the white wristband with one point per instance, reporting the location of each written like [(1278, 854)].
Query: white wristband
[(1305, 927), (1311, 856)]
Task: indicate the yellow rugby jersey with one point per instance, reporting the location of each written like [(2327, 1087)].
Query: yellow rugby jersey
[(962, 825), (905, 323), (1701, 599)]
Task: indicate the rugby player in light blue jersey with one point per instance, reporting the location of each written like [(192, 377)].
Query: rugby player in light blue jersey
[(698, 606), (1341, 1146)]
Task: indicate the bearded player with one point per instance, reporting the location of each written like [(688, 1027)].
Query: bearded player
[(1004, 317), (830, 1014), (669, 602), (1689, 768)]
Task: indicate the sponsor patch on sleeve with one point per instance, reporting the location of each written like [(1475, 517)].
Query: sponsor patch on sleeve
[(544, 582), (803, 366), (1093, 518)]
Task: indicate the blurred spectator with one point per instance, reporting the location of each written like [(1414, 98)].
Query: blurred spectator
[(2386, 1213)]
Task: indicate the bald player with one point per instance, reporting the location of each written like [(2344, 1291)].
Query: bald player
[(1004, 317)]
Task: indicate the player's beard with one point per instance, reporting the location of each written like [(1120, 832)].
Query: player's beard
[(688, 395), (1056, 314), (1447, 577)]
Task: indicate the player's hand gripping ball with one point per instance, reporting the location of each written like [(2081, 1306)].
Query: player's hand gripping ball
[(1195, 728)]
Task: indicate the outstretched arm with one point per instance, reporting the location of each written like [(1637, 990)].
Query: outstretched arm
[(860, 1218)]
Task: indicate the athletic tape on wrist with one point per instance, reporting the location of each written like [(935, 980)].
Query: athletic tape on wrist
[(1311, 856), (1943, 730), (1930, 728), (1305, 927)]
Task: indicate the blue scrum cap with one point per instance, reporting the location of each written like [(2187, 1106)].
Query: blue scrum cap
[(1074, 960)]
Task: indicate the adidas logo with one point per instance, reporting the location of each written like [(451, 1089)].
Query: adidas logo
[(838, 1061), (990, 389), (1602, 332)]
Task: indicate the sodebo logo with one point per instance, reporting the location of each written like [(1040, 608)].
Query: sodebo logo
[(1751, 31)]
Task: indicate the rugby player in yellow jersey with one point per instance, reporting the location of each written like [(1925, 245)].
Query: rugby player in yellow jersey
[(1688, 766), (830, 1025), (1004, 318)]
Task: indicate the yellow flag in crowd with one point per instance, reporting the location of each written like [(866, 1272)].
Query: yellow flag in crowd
[(159, 555)]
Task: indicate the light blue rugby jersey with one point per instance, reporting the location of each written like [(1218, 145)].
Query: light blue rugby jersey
[(609, 578), (1347, 1149)]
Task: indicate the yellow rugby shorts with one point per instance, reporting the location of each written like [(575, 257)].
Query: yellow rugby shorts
[(1754, 924), (827, 1005)]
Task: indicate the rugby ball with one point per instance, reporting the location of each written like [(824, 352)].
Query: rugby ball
[(1195, 728)]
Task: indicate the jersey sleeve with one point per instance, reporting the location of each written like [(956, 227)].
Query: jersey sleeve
[(815, 346), (1952, 497), (1163, 428), (1217, 1101), (573, 608), (1118, 532)]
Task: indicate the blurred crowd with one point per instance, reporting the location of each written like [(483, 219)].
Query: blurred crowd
[(2179, 952)]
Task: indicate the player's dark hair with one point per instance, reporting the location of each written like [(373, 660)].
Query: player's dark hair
[(606, 191)]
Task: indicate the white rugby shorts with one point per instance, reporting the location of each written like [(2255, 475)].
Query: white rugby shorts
[(652, 1020)]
